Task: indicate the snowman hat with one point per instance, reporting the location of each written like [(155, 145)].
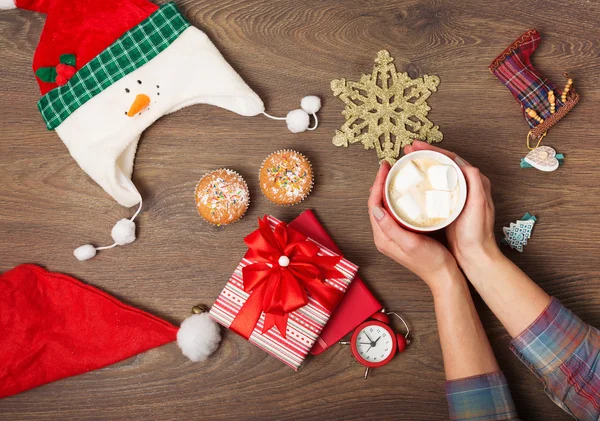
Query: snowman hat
[(108, 70), (54, 326)]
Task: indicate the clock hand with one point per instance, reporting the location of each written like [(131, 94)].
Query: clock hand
[(364, 343), (377, 340), (368, 337)]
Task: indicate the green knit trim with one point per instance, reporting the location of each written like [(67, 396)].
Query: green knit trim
[(132, 50)]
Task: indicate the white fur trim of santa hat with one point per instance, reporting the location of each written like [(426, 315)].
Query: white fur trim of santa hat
[(198, 337), (7, 4)]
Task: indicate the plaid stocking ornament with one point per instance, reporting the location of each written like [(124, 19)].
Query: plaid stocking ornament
[(514, 69)]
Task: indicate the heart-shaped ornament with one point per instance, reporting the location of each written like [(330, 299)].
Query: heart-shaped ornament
[(543, 158)]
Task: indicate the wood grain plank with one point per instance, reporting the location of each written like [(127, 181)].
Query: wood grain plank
[(284, 50)]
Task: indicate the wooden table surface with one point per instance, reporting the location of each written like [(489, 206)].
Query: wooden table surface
[(285, 50)]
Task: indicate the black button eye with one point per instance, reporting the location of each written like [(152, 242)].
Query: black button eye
[(158, 86), (127, 90), (140, 82)]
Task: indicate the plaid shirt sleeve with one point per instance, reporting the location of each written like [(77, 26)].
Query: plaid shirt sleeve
[(564, 352), (480, 398)]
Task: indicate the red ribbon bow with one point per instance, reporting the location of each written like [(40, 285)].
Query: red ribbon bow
[(286, 267)]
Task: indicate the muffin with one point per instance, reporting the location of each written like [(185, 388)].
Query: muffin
[(222, 197), (286, 177)]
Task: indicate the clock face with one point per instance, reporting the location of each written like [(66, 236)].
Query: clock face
[(373, 344)]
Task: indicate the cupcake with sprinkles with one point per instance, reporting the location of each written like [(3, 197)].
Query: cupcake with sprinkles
[(222, 197), (286, 177)]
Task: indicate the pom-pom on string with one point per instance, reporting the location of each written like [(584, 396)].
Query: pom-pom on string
[(311, 104), (298, 120), (123, 233)]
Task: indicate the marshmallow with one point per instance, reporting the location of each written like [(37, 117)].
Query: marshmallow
[(438, 204), (407, 205), (408, 176), (442, 177)]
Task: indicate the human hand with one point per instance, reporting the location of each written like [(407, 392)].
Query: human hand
[(420, 254), (471, 236)]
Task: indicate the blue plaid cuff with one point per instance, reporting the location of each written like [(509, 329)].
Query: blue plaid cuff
[(550, 340), (480, 398)]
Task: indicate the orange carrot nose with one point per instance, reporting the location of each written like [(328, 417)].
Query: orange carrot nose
[(140, 103)]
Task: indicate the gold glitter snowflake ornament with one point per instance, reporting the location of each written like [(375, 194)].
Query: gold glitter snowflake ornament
[(386, 110)]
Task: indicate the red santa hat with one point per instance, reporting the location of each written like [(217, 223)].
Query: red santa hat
[(53, 326), (109, 69)]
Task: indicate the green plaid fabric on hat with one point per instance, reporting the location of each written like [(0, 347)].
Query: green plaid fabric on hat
[(132, 50)]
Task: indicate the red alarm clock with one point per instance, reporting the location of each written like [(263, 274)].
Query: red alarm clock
[(374, 343)]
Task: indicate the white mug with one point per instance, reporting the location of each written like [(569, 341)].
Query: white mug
[(442, 159)]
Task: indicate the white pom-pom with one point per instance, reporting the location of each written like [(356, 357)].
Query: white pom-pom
[(198, 337), (7, 4), (284, 261), (297, 120), (311, 104), (123, 232), (84, 252)]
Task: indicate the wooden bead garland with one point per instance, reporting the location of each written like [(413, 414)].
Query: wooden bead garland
[(565, 91), (552, 101), (531, 113)]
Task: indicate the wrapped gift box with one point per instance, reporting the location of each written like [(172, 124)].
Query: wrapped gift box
[(304, 325), (358, 303)]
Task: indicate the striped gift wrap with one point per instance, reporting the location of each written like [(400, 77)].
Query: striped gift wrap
[(304, 325)]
